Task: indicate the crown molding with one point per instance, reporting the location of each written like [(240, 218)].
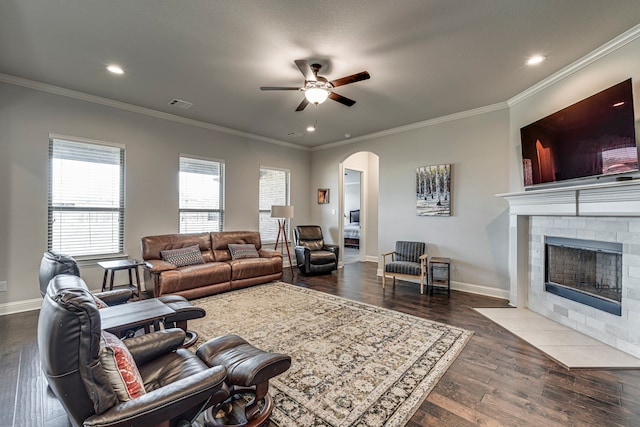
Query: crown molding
[(417, 125), (611, 46), (56, 90)]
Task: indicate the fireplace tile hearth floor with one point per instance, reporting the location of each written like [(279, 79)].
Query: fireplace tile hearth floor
[(572, 349)]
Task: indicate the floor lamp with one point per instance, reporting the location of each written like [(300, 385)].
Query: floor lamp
[(283, 213)]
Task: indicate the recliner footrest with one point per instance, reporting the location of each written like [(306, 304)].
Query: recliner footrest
[(246, 365)]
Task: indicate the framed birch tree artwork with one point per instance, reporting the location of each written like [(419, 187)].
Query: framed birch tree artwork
[(433, 190)]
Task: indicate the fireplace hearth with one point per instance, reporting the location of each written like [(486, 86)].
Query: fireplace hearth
[(585, 271)]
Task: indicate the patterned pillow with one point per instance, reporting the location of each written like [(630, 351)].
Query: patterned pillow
[(120, 368), (243, 251), (183, 256), (313, 245), (99, 303)]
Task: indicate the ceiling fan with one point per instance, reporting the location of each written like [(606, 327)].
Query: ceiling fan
[(317, 88)]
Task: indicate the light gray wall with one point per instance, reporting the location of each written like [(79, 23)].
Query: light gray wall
[(153, 146), (475, 237)]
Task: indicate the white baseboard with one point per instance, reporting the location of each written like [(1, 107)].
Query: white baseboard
[(467, 287), (35, 303), (20, 306)]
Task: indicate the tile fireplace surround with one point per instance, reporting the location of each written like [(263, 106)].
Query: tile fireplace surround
[(608, 212)]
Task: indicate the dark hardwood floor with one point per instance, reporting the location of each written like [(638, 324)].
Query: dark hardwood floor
[(497, 380)]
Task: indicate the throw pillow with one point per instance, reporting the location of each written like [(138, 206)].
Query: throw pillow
[(183, 256), (99, 303), (313, 245), (243, 251), (120, 368)]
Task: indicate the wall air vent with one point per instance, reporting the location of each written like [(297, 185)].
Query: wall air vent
[(185, 105)]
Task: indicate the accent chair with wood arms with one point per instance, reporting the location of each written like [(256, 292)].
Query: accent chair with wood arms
[(409, 260), (313, 255)]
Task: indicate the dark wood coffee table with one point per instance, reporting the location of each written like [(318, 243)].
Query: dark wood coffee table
[(133, 315)]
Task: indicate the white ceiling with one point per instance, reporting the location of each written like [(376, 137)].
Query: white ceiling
[(427, 59)]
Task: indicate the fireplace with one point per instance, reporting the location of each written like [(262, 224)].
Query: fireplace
[(604, 212), (585, 271)]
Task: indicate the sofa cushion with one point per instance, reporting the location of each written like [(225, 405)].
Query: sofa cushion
[(193, 276), (183, 256), (243, 251), (120, 368)]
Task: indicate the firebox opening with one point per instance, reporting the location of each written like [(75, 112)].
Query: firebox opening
[(585, 271)]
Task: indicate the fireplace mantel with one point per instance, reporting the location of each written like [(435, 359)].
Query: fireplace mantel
[(605, 199), (601, 199), (607, 212)]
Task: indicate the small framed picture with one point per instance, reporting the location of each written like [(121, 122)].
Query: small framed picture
[(323, 196)]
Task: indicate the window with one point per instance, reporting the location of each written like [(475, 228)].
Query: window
[(274, 190), (86, 198), (201, 195)]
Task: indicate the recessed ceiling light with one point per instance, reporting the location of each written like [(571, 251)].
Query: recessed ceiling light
[(311, 128), (536, 59), (115, 69)]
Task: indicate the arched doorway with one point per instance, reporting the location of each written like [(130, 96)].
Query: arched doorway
[(358, 222)]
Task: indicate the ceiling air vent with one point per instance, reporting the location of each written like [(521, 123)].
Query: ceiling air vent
[(294, 134), (185, 105)]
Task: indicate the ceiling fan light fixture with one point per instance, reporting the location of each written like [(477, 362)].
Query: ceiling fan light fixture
[(316, 92)]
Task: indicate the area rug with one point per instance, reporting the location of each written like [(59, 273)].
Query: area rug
[(353, 364)]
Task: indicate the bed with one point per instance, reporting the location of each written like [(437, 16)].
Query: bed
[(352, 230)]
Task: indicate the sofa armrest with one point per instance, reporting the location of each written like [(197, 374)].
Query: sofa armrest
[(161, 404), (269, 253), (158, 266), (150, 346)]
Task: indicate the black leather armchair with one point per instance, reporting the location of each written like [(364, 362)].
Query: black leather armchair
[(178, 384), (313, 255), (55, 263)]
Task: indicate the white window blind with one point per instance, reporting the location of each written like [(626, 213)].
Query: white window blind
[(86, 198), (274, 190), (201, 195)]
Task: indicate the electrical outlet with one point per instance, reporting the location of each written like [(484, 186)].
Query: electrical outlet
[(3, 286)]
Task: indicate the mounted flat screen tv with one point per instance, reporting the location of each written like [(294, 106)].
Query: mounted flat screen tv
[(592, 138)]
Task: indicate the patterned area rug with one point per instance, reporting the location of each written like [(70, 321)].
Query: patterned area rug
[(353, 364)]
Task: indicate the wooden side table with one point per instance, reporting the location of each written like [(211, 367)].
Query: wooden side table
[(122, 264), (443, 281)]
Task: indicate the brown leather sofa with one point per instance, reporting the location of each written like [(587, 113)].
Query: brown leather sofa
[(218, 273)]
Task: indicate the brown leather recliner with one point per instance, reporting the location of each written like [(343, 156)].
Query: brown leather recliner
[(178, 384), (313, 255)]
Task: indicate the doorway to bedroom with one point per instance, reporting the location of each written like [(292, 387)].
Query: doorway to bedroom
[(351, 214)]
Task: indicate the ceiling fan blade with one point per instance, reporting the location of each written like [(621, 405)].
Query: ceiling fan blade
[(351, 79), (303, 104), (341, 99), (305, 69), (278, 88)]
